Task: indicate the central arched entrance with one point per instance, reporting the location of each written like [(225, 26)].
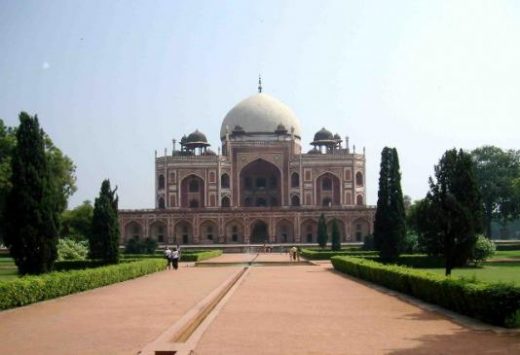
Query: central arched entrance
[(259, 233), (260, 185)]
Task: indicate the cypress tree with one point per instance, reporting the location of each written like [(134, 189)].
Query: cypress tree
[(389, 225), (322, 232), (336, 237), (104, 238), (381, 222), (452, 214), (31, 219)]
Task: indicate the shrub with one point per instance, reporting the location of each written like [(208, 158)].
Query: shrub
[(136, 246), (482, 250), (327, 254), (410, 243), (69, 249), (200, 255), (495, 303), (368, 242), (30, 289)]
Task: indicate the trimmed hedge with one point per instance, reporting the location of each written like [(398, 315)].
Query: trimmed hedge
[(200, 255), (495, 303), (327, 254), (30, 289), (186, 255)]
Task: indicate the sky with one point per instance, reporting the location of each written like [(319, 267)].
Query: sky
[(113, 81)]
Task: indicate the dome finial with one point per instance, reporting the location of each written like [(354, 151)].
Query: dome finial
[(259, 83)]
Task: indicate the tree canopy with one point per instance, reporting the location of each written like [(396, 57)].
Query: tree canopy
[(335, 236), (390, 224), (7, 144), (62, 178), (77, 223), (450, 216), (31, 220), (322, 232), (104, 237), (497, 172)]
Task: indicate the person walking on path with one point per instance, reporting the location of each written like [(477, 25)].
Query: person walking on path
[(175, 258), (168, 256), (294, 251)]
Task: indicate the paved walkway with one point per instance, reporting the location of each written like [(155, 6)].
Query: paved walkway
[(116, 319), (274, 310), (312, 310)]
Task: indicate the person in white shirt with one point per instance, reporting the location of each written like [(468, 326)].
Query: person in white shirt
[(175, 258), (168, 256)]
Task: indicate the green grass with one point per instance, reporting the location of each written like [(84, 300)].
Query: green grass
[(506, 254), (489, 272), (8, 270)]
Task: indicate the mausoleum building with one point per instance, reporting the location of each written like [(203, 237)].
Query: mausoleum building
[(260, 187)]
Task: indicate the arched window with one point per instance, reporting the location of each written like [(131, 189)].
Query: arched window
[(359, 179), (161, 182), (248, 202), (161, 202), (194, 203), (326, 184), (225, 202), (295, 180), (194, 185), (295, 201), (224, 181), (261, 202), (359, 200)]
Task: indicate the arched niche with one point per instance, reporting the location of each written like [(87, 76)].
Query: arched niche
[(183, 233), (158, 231), (260, 185), (328, 190), (192, 192)]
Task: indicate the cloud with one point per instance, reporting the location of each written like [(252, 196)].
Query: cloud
[(45, 65)]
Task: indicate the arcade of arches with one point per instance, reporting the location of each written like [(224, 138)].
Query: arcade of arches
[(236, 231)]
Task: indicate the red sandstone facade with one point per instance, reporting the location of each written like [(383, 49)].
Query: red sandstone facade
[(260, 188)]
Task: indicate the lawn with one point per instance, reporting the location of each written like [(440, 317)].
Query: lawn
[(507, 254), (489, 272), (8, 269)]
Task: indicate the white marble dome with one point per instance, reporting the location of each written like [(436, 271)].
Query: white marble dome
[(260, 114)]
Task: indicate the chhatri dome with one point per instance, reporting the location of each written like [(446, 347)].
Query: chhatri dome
[(260, 114)]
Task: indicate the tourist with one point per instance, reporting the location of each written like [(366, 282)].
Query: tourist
[(298, 254), (294, 251), (175, 258), (168, 256)]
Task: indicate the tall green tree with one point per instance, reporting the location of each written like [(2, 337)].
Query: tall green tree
[(451, 215), (390, 219), (31, 219), (322, 232), (104, 238), (335, 236), (61, 170), (496, 171)]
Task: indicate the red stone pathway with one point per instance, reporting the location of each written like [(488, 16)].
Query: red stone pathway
[(311, 310), (274, 310), (117, 319)]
